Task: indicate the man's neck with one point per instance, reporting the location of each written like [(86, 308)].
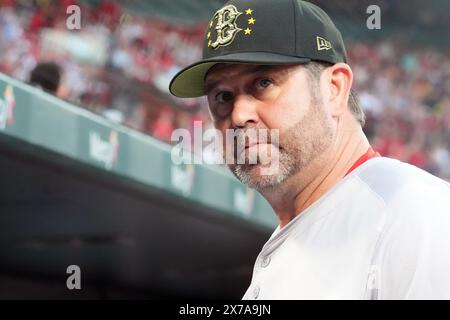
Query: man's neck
[(307, 186)]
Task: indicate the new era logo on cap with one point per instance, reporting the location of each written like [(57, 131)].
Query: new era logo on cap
[(323, 44)]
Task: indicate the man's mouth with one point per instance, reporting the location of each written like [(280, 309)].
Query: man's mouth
[(251, 151), (249, 145)]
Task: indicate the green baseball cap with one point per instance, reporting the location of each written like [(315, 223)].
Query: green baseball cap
[(269, 32)]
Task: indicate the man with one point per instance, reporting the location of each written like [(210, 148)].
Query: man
[(352, 224)]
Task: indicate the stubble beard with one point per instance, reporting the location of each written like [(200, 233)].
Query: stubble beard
[(300, 146)]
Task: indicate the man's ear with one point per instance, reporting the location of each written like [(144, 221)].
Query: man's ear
[(339, 80)]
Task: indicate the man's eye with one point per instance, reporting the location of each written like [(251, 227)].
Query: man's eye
[(264, 83), (224, 97), (221, 105)]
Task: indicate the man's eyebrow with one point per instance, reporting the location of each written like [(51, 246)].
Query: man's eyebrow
[(212, 83)]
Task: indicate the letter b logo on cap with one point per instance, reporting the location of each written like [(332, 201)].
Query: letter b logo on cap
[(226, 27)]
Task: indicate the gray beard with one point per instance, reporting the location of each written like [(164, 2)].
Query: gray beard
[(302, 144)]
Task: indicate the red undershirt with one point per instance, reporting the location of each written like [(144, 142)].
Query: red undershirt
[(368, 155)]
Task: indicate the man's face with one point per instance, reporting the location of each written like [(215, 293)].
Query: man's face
[(283, 98)]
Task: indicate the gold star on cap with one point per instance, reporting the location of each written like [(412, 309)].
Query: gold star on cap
[(251, 21), (248, 31), (248, 11)]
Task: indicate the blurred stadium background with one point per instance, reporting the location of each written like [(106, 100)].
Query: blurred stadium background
[(86, 177)]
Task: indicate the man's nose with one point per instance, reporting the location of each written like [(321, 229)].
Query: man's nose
[(244, 111)]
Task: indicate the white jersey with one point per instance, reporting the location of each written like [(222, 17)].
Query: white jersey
[(382, 232)]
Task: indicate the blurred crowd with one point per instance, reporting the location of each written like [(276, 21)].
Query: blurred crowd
[(406, 96), (116, 65), (119, 65), (432, 15)]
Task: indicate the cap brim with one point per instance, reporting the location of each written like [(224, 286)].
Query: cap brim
[(189, 82)]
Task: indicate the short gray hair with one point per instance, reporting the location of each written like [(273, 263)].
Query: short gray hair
[(315, 69)]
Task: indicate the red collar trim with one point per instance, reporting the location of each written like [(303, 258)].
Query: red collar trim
[(368, 155)]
